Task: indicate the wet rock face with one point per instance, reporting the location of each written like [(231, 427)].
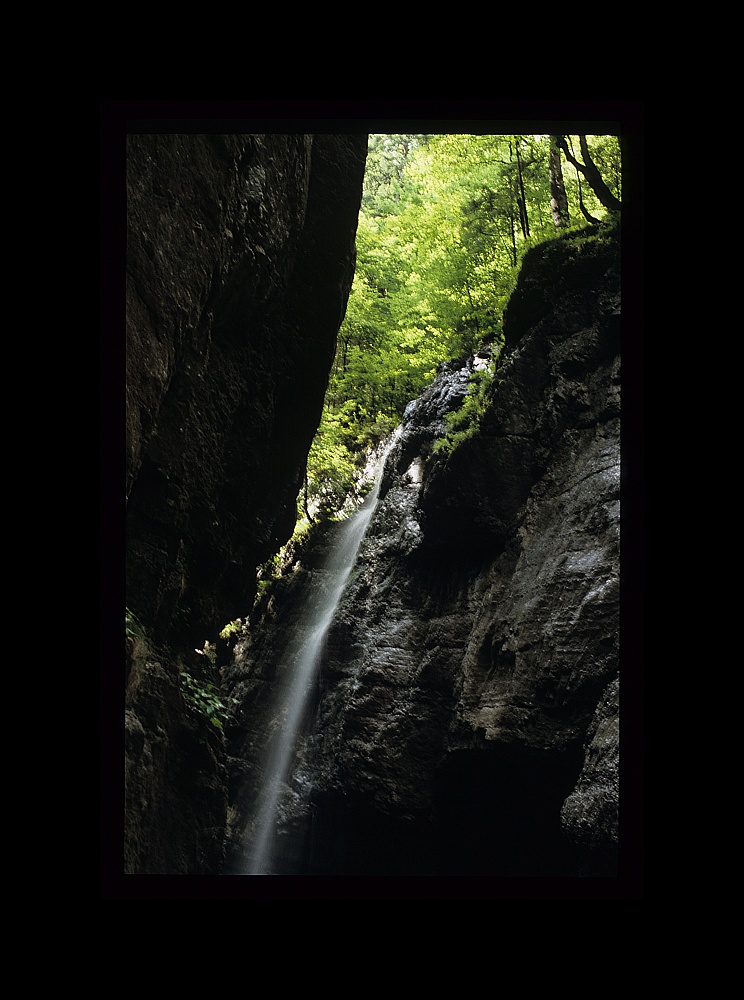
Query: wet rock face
[(558, 376), (468, 719), (240, 256), (175, 781)]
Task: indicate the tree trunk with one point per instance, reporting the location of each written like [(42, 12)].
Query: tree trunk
[(305, 498), (584, 210), (558, 199), (589, 170), (521, 200)]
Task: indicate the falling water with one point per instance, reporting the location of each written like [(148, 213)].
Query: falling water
[(304, 651)]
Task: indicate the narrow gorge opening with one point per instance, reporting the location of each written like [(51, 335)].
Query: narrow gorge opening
[(431, 374), (421, 665)]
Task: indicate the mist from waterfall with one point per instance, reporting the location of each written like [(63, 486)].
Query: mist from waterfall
[(302, 656)]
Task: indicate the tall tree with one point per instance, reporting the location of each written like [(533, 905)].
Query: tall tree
[(521, 199), (384, 177), (558, 197), (591, 172), (444, 221)]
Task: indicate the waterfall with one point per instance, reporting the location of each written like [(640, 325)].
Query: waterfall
[(302, 655)]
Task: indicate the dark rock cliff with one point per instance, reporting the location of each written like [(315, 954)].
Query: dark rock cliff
[(240, 257), (468, 716)]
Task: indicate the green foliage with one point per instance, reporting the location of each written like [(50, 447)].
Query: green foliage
[(200, 692), (231, 629), (134, 629), (444, 224), (137, 643), (464, 422), (205, 698), (268, 573), (384, 180), (331, 467)]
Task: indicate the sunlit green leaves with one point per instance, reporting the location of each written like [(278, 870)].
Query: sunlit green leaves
[(445, 221)]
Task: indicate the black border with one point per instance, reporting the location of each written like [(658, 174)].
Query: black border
[(625, 118)]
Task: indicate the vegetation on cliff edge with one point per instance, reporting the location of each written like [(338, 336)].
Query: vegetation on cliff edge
[(444, 225)]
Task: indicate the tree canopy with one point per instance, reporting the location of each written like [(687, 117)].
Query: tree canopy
[(444, 223)]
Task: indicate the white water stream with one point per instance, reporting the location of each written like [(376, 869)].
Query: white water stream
[(303, 651)]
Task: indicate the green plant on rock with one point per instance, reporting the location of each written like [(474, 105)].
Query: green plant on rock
[(138, 645), (232, 628), (206, 699), (465, 422), (134, 629)]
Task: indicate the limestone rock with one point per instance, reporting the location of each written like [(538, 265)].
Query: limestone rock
[(460, 726), (240, 257)]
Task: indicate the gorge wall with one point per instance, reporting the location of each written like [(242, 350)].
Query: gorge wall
[(240, 256), (467, 718)]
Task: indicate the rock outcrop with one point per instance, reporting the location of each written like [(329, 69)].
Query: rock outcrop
[(240, 257), (467, 721)]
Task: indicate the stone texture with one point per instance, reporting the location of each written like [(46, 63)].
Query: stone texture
[(240, 257), (175, 780), (467, 716)]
